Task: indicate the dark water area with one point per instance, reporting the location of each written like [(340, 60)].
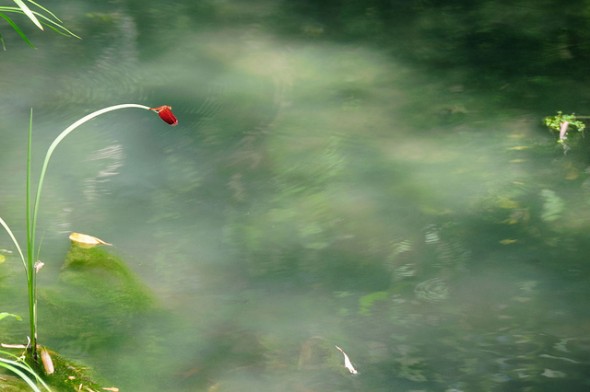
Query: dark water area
[(365, 175)]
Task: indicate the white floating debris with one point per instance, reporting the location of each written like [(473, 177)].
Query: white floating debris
[(38, 265), (347, 362), (553, 373)]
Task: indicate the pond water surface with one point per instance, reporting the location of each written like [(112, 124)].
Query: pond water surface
[(323, 188)]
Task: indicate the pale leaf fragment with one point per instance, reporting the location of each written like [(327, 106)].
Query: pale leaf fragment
[(47, 362), (6, 345), (86, 241), (347, 363)]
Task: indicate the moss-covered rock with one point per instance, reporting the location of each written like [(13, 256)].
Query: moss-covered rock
[(105, 277), (64, 376), (97, 302), (95, 306)]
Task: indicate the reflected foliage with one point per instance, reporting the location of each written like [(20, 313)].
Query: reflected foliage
[(511, 47)]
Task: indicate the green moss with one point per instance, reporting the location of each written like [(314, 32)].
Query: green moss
[(106, 278), (97, 305), (66, 376)]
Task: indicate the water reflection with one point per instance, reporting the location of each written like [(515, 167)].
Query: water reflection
[(113, 157), (315, 194)]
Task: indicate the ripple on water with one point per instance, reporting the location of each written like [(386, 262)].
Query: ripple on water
[(432, 290)]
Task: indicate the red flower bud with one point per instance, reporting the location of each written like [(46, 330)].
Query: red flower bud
[(165, 113)]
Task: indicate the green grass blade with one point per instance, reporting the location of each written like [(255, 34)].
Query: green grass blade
[(58, 140), (31, 274), (54, 24), (14, 240), (30, 232), (27, 11), (45, 10), (62, 30), (14, 367), (4, 315), (22, 369), (10, 9), (17, 29)]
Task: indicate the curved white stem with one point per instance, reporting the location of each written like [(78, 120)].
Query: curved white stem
[(58, 140)]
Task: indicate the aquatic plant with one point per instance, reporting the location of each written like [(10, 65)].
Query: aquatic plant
[(18, 365), (39, 15), (31, 261), (562, 123)]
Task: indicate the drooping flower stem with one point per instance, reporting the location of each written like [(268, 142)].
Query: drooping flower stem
[(31, 216), (31, 262), (62, 136)]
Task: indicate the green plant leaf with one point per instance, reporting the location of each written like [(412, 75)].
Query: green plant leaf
[(19, 367), (21, 374), (42, 19), (17, 29), (60, 29), (14, 241), (54, 24), (46, 10), (27, 11), (4, 315)]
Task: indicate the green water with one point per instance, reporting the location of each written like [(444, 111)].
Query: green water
[(368, 175)]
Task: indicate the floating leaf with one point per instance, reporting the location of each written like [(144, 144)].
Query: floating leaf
[(86, 241)]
